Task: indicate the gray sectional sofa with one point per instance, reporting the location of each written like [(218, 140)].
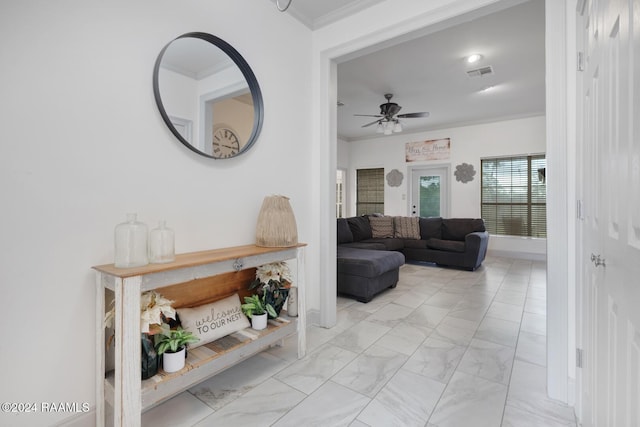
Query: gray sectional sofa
[(372, 248)]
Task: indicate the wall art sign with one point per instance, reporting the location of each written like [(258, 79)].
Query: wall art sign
[(435, 149)]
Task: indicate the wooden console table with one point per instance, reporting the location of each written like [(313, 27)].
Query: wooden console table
[(205, 276)]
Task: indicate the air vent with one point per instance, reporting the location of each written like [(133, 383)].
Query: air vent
[(479, 72)]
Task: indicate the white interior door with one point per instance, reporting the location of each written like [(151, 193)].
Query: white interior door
[(430, 191), (609, 289)]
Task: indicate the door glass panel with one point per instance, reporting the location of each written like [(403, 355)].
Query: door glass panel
[(430, 193)]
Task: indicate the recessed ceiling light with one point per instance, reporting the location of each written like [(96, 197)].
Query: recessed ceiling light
[(474, 58), (487, 89)]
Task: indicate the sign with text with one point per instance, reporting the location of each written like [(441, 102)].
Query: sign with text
[(435, 149)]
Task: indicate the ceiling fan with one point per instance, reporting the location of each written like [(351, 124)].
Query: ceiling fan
[(388, 119)]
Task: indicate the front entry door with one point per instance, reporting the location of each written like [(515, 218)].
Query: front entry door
[(609, 289), (430, 191)]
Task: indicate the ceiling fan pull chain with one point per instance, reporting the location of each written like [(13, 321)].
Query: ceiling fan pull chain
[(283, 9)]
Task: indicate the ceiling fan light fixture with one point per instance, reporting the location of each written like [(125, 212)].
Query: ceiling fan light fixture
[(388, 121), (473, 58)]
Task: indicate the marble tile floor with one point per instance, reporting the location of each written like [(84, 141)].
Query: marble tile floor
[(445, 348)]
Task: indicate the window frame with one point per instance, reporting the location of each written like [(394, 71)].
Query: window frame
[(535, 225)]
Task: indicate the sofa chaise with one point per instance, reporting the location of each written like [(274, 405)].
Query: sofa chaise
[(372, 248)]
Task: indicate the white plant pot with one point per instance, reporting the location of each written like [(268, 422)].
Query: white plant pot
[(173, 362), (259, 322)]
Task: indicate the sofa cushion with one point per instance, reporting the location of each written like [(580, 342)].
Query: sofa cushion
[(430, 227), (415, 244), (360, 228), (389, 244), (406, 227), (458, 228), (367, 263), (445, 245), (344, 232), (381, 226), (366, 244)]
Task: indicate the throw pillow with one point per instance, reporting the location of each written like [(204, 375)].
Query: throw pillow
[(406, 227), (381, 226), (212, 321)]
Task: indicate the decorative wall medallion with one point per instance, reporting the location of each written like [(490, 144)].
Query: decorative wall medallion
[(464, 173), (394, 178)]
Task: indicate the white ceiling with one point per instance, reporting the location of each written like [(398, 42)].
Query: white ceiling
[(318, 13), (429, 73)]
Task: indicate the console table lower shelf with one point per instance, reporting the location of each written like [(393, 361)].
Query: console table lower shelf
[(209, 359)]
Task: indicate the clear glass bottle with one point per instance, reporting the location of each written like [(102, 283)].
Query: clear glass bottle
[(161, 244), (131, 243)]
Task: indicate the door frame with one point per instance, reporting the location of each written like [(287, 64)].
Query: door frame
[(560, 27), (447, 191)]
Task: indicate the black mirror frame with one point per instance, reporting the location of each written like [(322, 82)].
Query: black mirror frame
[(252, 82)]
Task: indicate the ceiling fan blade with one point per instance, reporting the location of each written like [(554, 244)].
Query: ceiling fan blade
[(413, 115), (372, 123), (369, 115)]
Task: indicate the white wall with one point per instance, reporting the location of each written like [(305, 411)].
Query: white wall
[(344, 158), (468, 145), (83, 143)]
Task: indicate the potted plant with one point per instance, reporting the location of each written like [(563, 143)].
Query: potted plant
[(172, 346), (155, 310), (256, 309), (272, 283)]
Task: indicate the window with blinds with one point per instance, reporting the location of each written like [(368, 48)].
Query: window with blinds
[(514, 195), (369, 191), (340, 193)]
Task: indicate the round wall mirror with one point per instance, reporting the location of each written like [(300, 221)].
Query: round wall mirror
[(208, 96)]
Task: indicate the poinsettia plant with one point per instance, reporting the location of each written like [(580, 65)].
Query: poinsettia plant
[(272, 284), (154, 312), (277, 272)]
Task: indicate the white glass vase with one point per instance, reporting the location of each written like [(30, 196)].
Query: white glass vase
[(131, 243), (161, 244)]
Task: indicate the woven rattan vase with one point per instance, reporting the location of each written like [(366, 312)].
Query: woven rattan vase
[(276, 226)]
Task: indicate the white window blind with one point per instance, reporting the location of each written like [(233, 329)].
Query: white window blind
[(513, 199)]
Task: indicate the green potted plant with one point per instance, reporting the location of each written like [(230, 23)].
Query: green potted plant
[(172, 346), (272, 283), (155, 310), (256, 308)]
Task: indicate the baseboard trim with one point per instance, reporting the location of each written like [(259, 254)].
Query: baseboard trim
[(85, 419), (530, 256)]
